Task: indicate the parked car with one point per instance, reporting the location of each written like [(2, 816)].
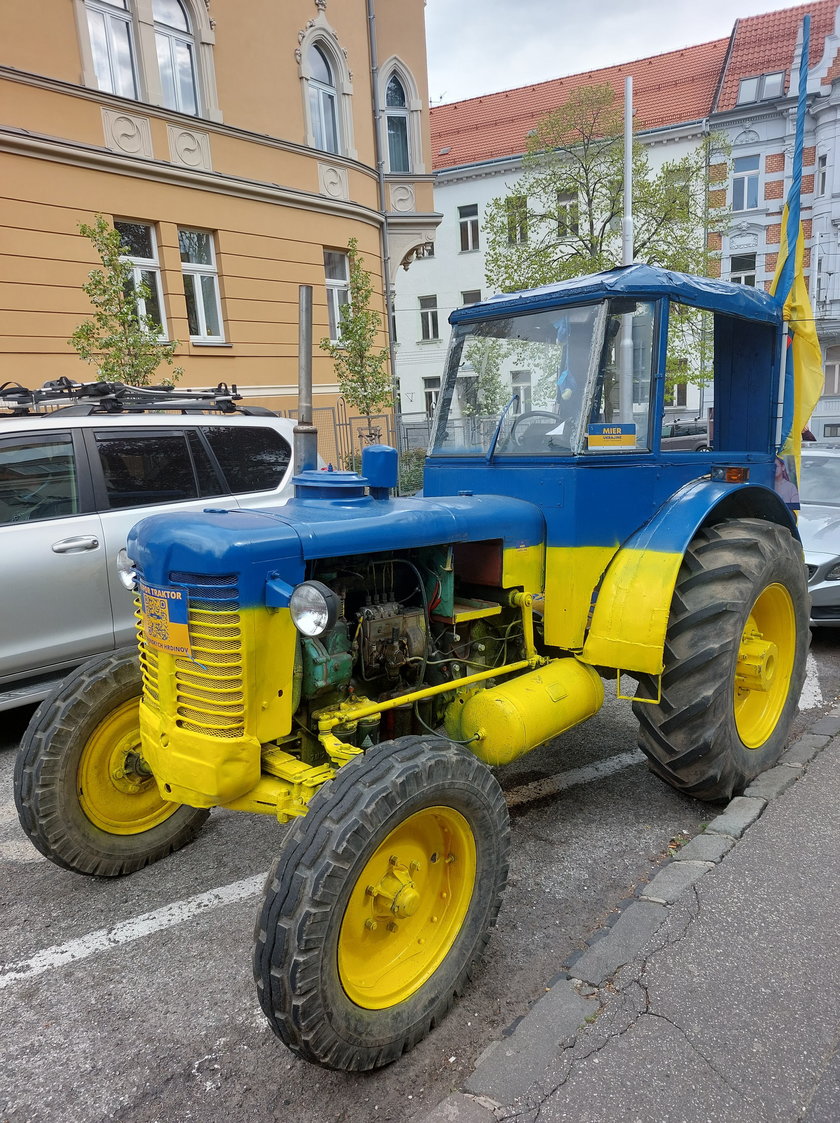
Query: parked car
[(74, 480), (819, 526), (690, 435)]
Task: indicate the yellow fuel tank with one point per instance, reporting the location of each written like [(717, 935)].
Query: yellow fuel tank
[(514, 718)]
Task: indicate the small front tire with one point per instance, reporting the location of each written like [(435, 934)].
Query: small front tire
[(83, 792), (384, 897)]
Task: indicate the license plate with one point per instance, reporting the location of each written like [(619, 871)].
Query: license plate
[(164, 613)]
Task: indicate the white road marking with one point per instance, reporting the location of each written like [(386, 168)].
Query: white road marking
[(553, 784), (126, 931), (811, 696), (171, 915)]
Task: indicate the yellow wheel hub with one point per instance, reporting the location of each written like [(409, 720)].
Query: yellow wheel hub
[(407, 908), (116, 790), (765, 665)]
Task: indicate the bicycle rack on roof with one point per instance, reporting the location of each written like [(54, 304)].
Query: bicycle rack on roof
[(63, 396)]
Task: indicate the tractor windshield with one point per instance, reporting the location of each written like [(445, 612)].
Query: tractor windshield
[(548, 383)]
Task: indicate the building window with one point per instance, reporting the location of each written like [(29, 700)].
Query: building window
[(201, 286), (762, 88), (822, 175), (468, 225), (745, 183), (176, 56), (831, 388), (431, 393), (112, 46), (568, 215), (831, 431), (140, 249), (323, 97), (471, 296), (429, 317), (396, 118), (517, 219), (520, 381), (742, 269), (337, 272)]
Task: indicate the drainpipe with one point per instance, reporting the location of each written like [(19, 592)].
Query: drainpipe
[(384, 230)]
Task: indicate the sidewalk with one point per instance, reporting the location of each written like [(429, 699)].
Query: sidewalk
[(715, 996)]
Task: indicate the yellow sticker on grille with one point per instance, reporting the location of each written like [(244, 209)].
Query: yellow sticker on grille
[(165, 619)]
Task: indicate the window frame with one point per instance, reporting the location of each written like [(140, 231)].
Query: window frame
[(125, 15), (761, 83), (568, 215), (469, 230), (142, 265), (741, 181), (429, 320), (174, 36), (740, 272), (199, 271), (400, 114), (821, 178), (337, 293), (516, 211)]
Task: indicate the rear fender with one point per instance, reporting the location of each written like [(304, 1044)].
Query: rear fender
[(633, 604)]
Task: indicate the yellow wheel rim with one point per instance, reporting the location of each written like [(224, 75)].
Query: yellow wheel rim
[(116, 790), (407, 908), (765, 665)]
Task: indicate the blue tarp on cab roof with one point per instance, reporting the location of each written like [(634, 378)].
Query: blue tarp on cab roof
[(632, 281)]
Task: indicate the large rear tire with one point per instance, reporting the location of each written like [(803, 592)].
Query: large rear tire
[(383, 898), (735, 656), (84, 794)]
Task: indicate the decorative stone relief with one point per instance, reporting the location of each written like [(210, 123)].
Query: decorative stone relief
[(747, 136), (189, 148), (402, 198), (747, 241), (127, 134), (333, 182)]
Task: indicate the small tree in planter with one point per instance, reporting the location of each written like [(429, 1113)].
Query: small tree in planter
[(122, 342), (361, 369)]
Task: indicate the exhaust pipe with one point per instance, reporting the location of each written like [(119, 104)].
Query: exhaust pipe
[(305, 433)]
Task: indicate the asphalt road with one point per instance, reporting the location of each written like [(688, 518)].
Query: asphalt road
[(133, 999)]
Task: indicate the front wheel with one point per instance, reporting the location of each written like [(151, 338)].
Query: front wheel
[(735, 656), (85, 796), (384, 896)]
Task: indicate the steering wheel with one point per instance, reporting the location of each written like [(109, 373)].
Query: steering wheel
[(529, 428)]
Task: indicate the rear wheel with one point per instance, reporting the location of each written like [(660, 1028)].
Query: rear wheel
[(734, 660), (384, 896), (84, 793)]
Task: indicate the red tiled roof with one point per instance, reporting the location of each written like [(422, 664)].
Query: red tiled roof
[(765, 44), (667, 89)]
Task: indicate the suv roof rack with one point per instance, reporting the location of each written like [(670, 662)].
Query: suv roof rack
[(63, 396)]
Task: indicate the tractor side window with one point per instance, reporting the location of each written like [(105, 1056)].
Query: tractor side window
[(689, 370), (620, 413)]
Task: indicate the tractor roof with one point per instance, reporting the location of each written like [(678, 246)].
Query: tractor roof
[(638, 282)]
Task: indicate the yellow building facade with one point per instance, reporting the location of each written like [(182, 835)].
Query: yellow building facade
[(237, 144)]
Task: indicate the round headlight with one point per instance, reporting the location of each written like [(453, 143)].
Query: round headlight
[(314, 608), (126, 571)]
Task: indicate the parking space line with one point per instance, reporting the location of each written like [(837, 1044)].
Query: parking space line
[(126, 931), (176, 913)]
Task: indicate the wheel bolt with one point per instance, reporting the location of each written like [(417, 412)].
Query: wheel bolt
[(371, 891), (392, 927), (393, 859), (414, 867), (371, 924)]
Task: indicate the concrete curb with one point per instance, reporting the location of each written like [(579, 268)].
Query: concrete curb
[(509, 1067)]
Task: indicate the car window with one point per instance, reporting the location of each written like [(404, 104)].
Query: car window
[(820, 482), (252, 459), (38, 478), (148, 468)]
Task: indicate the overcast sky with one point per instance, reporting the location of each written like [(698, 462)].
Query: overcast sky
[(480, 46)]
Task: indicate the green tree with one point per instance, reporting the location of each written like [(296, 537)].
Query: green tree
[(123, 343), (562, 217), (361, 368)]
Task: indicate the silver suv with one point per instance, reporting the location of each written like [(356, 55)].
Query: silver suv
[(75, 479)]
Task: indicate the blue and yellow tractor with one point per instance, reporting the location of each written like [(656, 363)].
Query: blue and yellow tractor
[(356, 664)]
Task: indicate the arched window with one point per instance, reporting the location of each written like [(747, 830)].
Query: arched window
[(176, 56), (323, 111), (396, 116), (112, 46)]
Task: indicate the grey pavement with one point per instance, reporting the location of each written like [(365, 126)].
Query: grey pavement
[(714, 997)]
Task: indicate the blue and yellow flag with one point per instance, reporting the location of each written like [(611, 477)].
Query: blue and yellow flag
[(803, 373)]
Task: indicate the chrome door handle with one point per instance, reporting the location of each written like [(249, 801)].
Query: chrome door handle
[(76, 545)]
